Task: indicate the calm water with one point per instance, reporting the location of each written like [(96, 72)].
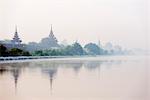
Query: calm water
[(93, 78)]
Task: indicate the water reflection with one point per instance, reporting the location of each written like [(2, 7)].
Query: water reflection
[(15, 69), (3, 69), (51, 72), (91, 65), (50, 68), (16, 72)]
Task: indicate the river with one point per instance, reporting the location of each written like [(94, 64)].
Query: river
[(86, 78)]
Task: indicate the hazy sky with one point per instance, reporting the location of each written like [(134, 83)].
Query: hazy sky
[(123, 22)]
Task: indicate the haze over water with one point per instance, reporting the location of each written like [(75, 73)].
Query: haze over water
[(92, 78)]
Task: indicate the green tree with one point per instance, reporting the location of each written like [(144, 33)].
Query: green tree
[(3, 51), (38, 53), (26, 53), (93, 49), (77, 49), (15, 52), (18, 52)]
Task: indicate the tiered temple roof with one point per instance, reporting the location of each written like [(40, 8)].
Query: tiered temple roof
[(16, 39), (51, 35), (49, 42)]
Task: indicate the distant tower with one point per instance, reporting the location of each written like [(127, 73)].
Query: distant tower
[(51, 35), (76, 41), (16, 39), (99, 43)]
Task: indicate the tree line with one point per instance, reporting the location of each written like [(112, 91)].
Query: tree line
[(72, 50), (5, 52)]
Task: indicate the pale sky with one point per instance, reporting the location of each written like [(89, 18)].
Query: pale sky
[(122, 22)]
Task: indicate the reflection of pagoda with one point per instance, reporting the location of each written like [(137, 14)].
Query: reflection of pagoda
[(51, 72), (15, 69), (51, 76), (15, 73), (49, 42)]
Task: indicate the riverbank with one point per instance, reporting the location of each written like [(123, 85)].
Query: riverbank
[(35, 57), (2, 59), (28, 57)]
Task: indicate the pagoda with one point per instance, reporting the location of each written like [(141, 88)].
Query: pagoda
[(49, 42), (14, 43), (51, 36), (16, 39)]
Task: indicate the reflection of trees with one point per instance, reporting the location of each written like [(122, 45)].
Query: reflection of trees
[(109, 63), (92, 64), (3, 69), (75, 65)]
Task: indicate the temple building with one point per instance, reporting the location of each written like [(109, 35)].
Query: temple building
[(14, 43), (16, 39), (49, 42)]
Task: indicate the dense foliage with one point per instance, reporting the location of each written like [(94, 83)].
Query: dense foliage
[(93, 49), (71, 50), (4, 52), (18, 52)]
